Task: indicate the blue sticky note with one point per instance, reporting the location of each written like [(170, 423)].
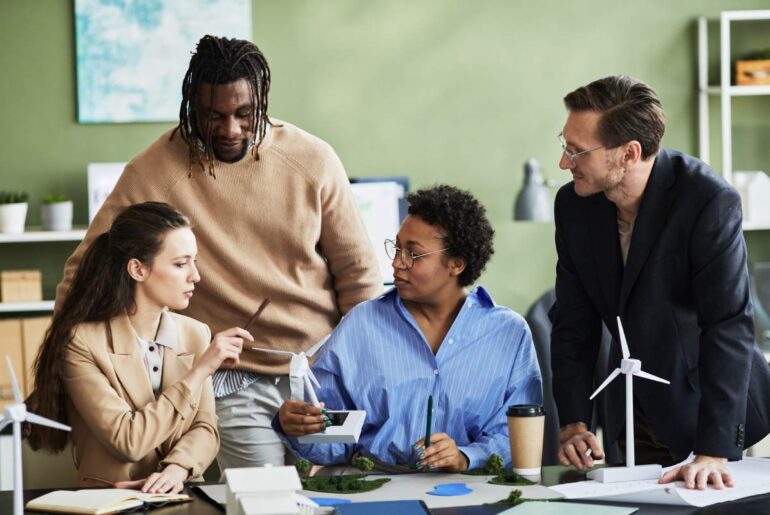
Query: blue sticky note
[(450, 489), (329, 501)]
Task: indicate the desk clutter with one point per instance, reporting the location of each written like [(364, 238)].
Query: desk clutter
[(282, 487)]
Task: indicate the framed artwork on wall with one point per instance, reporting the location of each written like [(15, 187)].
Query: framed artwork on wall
[(132, 55)]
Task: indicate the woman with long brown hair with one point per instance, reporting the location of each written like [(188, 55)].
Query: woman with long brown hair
[(131, 377)]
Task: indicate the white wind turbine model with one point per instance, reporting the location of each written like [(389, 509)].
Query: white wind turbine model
[(301, 377), (15, 414), (629, 367), (346, 425)]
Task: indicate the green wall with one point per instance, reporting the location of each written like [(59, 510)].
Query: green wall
[(440, 90)]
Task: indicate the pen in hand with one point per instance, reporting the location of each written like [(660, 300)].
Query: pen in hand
[(259, 311), (430, 417)]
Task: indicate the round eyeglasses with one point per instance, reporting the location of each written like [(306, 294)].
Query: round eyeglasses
[(573, 155), (407, 257)]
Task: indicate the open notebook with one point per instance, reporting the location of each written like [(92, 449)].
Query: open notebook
[(101, 501)]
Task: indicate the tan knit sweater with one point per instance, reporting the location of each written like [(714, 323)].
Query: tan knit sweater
[(285, 227)]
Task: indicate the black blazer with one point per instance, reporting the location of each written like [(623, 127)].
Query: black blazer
[(684, 301)]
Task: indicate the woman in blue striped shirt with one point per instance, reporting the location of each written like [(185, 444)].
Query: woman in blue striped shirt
[(429, 335)]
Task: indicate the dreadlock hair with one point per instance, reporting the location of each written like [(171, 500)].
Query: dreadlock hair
[(101, 289), (219, 61)]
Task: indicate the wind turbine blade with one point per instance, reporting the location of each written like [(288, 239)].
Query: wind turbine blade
[(4, 422), (312, 377), (607, 381), (37, 419), (275, 351), (312, 350), (623, 342), (16, 392), (651, 377)]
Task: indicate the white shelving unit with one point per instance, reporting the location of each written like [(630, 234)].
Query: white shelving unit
[(724, 90), (33, 235), (23, 307), (36, 234)]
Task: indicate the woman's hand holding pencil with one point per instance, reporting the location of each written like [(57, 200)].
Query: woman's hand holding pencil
[(441, 454)]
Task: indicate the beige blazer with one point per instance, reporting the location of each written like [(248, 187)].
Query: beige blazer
[(120, 431)]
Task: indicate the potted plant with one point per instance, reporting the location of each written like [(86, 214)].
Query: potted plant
[(56, 213), (13, 211)]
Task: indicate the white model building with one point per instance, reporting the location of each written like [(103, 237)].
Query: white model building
[(262, 491)]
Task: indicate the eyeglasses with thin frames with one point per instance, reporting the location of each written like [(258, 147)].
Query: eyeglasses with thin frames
[(573, 155), (407, 257)]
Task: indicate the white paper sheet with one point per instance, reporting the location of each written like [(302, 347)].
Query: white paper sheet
[(562, 508), (378, 205), (217, 493), (750, 475)]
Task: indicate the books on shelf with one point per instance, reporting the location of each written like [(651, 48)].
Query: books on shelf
[(101, 501)]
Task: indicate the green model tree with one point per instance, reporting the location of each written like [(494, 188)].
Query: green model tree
[(495, 465), (514, 498), (303, 467), (363, 463)]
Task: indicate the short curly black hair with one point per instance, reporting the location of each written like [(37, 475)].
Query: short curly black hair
[(467, 232)]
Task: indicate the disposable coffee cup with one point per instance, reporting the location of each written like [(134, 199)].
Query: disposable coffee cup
[(525, 429)]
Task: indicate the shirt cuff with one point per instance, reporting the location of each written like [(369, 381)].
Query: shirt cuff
[(477, 458)]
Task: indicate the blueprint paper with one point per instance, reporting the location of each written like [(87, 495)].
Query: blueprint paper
[(750, 475)]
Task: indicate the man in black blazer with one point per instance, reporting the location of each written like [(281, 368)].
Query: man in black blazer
[(653, 236)]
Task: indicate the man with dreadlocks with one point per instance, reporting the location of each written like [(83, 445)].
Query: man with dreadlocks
[(275, 218)]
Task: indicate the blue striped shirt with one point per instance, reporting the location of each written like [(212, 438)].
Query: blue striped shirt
[(230, 380), (378, 360)]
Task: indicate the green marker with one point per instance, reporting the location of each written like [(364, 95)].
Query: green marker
[(430, 417)]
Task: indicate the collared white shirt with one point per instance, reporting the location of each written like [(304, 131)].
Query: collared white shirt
[(152, 351)]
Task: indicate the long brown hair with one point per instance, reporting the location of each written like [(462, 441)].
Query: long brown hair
[(101, 289)]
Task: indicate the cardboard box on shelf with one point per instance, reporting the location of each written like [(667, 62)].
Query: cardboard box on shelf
[(10, 345), (21, 286), (752, 73)]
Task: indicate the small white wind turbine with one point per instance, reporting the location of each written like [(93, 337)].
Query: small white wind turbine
[(301, 376), (346, 425), (629, 367), (15, 414)]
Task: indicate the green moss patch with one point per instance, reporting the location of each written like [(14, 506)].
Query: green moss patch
[(347, 484)]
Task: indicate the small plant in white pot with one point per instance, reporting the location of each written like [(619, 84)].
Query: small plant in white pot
[(13, 211), (56, 213)]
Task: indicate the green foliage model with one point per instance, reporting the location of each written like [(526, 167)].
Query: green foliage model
[(495, 466), (363, 463), (303, 467), (351, 483)]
